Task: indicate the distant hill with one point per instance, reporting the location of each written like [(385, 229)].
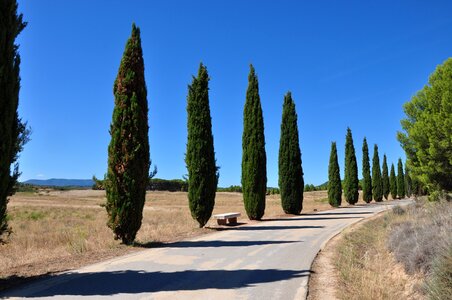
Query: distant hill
[(61, 182)]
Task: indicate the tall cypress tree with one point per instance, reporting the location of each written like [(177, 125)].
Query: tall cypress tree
[(291, 182), (385, 178), (367, 181), (351, 170), (393, 182), (408, 182), (13, 132), (377, 184), (254, 159), (334, 179), (128, 152), (400, 180), (200, 155)]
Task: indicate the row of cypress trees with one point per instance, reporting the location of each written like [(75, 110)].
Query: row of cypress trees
[(375, 187), (129, 160)]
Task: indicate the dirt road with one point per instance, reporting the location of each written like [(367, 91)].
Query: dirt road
[(268, 260)]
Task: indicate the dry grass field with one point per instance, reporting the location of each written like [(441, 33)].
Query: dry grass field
[(60, 230)]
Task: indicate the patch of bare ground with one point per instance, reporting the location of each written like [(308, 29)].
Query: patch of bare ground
[(55, 231), (357, 264)]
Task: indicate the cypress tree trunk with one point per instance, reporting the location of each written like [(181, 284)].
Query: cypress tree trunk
[(400, 180), (393, 183), (377, 185), (385, 178), (254, 159), (408, 183), (351, 170), (334, 179), (13, 132), (200, 155), (291, 182), (128, 152), (367, 181)]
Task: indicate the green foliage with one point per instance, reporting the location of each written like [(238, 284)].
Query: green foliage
[(351, 170), (13, 132), (254, 159), (231, 189), (385, 178), (408, 183), (334, 179), (291, 181), (128, 152), (377, 184), (273, 191), (400, 180), (393, 183), (200, 155), (367, 181), (428, 129), (172, 185)]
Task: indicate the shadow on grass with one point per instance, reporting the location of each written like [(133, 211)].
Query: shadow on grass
[(137, 281)]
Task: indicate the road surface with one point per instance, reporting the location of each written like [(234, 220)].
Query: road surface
[(268, 260)]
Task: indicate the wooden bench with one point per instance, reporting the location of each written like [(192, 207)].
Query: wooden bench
[(231, 218)]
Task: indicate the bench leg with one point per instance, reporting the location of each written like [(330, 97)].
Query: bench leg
[(221, 221), (232, 221)]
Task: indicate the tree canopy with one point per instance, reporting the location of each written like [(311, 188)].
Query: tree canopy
[(428, 130)]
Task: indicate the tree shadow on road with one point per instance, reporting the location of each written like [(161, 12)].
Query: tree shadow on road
[(210, 244), (136, 282), (338, 213), (312, 219)]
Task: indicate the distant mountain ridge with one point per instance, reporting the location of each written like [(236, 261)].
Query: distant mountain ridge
[(61, 182)]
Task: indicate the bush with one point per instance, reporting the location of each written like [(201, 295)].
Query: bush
[(439, 285), (398, 210), (417, 244)]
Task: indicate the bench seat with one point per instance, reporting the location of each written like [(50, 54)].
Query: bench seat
[(230, 218)]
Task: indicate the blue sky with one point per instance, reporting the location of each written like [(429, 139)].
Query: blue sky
[(347, 63)]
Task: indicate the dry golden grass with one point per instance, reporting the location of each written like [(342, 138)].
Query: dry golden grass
[(367, 269), (60, 230)]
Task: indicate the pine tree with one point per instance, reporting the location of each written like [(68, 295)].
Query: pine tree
[(334, 179), (367, 181), (351, 171), (400, 180), (254, 159), (13, 132), (393, 182), (408, 182), (200, 155), (385, 178), (128, 152), (291, 182), (377, 185)]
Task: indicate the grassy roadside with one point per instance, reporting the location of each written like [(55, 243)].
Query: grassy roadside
[(404, 254)]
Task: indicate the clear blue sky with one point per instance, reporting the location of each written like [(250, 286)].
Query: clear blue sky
[(347, 63)]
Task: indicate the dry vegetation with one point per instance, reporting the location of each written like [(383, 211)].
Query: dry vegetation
[(60, 230), (406, 254)]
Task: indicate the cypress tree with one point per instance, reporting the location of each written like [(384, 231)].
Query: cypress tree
[(334, 179), (393, 183), (408, 183), (254, 159), (367, 181), (351, 170), (400, 180), (377, 185), (200, 155), (128, 152), (385, 178), (13, 132), (291, 182)]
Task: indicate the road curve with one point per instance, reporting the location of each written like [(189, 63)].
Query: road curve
[(268, 260)]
